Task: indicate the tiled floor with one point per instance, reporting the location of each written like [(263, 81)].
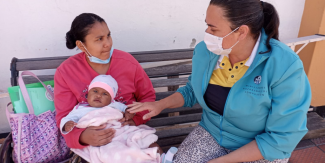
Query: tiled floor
[(309, 151)]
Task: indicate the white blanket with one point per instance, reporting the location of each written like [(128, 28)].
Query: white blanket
[(130, 143)]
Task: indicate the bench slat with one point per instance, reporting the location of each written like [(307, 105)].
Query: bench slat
[(165, 121), (157, 56), (43, 78), (155, 71), (38, 65), (169, 82), (171, 141), (141, 57), (195, 107), (161, 95), (156, 83), (174, 132), (165, 70), (168, 70)]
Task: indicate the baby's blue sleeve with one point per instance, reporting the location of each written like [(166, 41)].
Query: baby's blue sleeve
[(72, 116), (118, 105)]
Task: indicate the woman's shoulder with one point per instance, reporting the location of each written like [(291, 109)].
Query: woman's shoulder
[(124, 57), (72, 62), (282, 54), (201, 48)]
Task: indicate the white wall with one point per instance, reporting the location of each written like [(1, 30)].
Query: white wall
[(37, 28)]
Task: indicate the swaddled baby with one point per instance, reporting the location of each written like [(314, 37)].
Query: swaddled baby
[(131, 142), (101, 93)]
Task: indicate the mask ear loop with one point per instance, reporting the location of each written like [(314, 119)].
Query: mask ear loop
[(231, 32), (234, 45), (89, 55)]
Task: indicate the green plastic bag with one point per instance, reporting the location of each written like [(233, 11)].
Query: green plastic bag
[(40, 99)]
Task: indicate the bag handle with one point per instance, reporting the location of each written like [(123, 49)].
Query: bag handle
[(25, 93), (7, 112)]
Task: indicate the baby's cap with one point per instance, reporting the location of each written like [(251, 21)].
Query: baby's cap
[(106, 82)]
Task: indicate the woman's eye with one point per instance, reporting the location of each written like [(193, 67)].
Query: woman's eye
[(105, 94), (95, 91)]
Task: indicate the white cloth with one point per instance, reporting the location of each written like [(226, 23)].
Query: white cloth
[(81, 110), (130, 143)]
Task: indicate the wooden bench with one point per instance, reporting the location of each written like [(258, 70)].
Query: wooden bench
[(171, 130)]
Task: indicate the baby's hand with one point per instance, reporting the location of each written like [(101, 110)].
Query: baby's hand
[(69, 125), (128, 116)]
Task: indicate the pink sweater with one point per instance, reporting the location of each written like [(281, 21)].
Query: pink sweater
[(73, 76)]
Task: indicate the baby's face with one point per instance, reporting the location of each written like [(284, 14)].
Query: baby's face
[(98, 97)]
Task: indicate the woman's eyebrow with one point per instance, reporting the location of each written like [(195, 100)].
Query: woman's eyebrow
[(210, 24), (103, 36)]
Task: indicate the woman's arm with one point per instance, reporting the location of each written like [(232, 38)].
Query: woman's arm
[(286, 124), (183, 97), (173, 101), (64, 101), (247, 153)]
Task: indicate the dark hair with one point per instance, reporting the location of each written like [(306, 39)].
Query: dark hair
[(80, 27), (255, 14)]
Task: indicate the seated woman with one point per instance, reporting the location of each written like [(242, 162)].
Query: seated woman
[(92, 36), (253, 89)]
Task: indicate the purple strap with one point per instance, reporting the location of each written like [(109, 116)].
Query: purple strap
[(25, 93), (7, 112)]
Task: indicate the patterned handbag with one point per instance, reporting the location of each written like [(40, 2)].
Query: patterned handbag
[(36, 138)]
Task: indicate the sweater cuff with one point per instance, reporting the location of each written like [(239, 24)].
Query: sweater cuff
[(72, 138), (138, 119)]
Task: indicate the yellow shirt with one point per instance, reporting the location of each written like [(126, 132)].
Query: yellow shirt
[(226, 76)]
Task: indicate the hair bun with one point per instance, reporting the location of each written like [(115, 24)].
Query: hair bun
[(70, 40)]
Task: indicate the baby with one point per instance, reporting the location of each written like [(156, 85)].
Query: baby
[(101, 92)]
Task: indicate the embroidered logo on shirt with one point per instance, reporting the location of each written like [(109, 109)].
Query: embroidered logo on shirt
[(84, 94), (257, 80)]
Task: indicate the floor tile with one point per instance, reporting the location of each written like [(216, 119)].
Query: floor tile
[(322, 147), (308, 155), (304, 144), (319, 141)]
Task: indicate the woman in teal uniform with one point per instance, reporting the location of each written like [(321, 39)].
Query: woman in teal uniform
[(253, 89)]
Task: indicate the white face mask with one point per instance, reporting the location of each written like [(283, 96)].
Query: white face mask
[(214, 44)]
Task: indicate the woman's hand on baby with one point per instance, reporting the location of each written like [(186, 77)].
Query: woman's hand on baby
[(97, 136), (69, 126), (154, 108), (128, 115), (129, 122)]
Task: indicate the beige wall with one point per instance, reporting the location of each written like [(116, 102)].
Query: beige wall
[(313, 56)]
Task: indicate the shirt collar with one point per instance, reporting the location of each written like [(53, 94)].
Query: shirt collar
[(251, 57)]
